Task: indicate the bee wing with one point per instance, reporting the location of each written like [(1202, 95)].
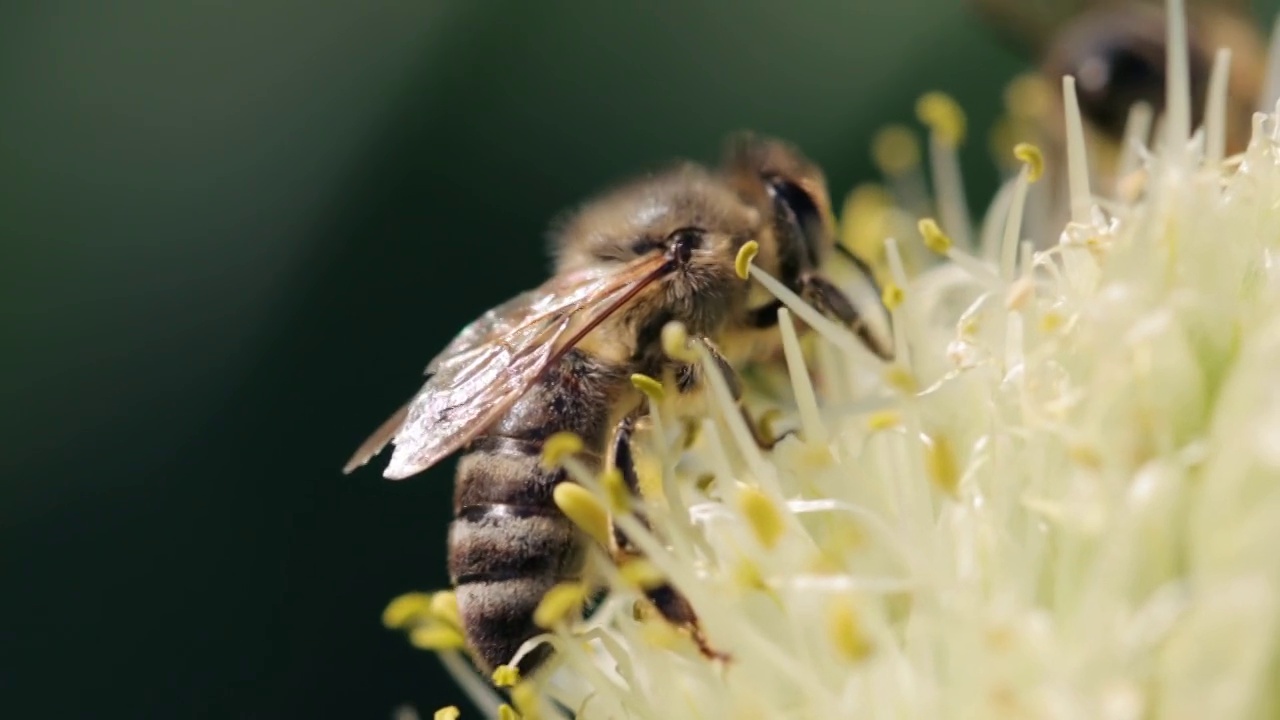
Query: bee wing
[(495, 360)]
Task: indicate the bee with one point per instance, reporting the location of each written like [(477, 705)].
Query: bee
[(1116, 51), (559, 357)]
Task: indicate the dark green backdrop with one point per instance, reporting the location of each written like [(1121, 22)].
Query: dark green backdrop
[(233, 233)]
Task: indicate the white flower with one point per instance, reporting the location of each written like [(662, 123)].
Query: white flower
[(1061, 501)]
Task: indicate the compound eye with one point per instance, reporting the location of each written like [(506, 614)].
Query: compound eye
[(1119, 61), (684, 241)]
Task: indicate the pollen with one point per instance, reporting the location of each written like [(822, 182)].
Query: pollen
[(901, 379), (584, 510), (940, 463), (675, 342), (525, 697), (505, 676), (649, 386), (1034, 159), (884, 420), (447, 713), (762, 515), (436, 637), (506, 712), (444, 607), (944, 117), (846, 632), (642, 574), (559, 602), (746, 254), (892, 295), (558, 447), (895, 150), (934, 238), (408, 609)]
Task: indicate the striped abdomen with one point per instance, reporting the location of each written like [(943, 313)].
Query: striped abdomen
[(508, 543)]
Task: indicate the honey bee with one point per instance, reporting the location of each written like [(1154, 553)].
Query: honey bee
[(559, 357), (1116, 51)]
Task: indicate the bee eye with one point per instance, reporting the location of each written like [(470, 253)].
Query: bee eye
[(1121, 65), (684, 241)]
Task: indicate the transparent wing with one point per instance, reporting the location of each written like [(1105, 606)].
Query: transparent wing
[(495, 360)]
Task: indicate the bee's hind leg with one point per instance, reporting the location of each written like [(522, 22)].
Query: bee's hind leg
[(666, 599)]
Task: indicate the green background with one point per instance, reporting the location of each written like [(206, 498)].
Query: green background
[(233, 234)]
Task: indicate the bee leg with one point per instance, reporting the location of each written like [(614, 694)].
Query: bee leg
[(688, 378), (827, 299), (667, 600)]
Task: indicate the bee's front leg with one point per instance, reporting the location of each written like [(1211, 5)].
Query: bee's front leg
[(666, 599), (689, 379), (827, 299)]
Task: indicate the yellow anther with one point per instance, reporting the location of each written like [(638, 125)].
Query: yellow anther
[(742, 263), (934, 238), (584, 510), (901, 379), (506, 712), (447, 713), (525, 697), (762, 515), (558, 447), (884, 420), (968, 327), (649, 386), (864, 221), (895, 150), (1028, 96), (675, 342), (747, 574), (616, 490), (642, 574), (505, 676), (444, 607), (1052, 321), (892, 296), (1034, 159), (846, 632), (943, 116), (407, 609), (436, 636), (940, 463), (559, 602)]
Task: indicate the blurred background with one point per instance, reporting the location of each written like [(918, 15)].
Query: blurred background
[(234, 233)]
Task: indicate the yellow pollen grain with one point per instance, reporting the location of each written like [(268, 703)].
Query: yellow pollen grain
[(525, 697), (436, 637), (940, 463), (934, 238), (884, 420), (447, 713), (649, 386), (942, 114), (1034, 159), (558, 447), (892, 296), (584, 510), (901, 379), (846, 632), (506, 712), (746, 574), (408, 609), (505, 676), (675, 342), (444, 607), (895, 150), (969, 327), (1052, 321), (642, 574), (615, 489), (558, 603), (746, 254), (762, 515)]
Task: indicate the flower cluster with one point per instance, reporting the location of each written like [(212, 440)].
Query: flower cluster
[(1061, 500)]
